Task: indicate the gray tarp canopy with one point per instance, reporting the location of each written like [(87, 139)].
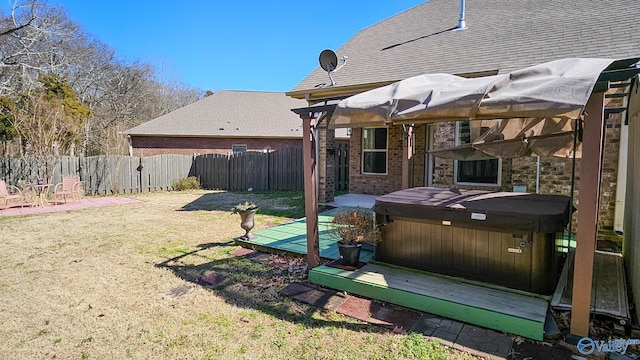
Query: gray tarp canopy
[(546, 99), (515, 138)]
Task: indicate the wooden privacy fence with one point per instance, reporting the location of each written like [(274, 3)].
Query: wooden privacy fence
[(103, 175), (278, 170)]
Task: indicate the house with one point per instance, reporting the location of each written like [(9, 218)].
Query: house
[(499, 37), (226, 122), (482, 38)]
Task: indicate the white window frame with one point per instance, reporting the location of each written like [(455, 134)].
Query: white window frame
[(385, 150), (456, 166)]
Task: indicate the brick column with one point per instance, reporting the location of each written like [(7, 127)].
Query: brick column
[(327, 165)]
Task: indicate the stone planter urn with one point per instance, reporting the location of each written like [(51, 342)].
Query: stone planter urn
[(247, 213), (246, 222)]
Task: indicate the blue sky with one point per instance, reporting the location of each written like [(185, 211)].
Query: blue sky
[(223, 45)]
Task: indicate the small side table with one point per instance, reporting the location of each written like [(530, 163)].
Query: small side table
[(41, 192)]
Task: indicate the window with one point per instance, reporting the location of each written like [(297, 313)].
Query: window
[(238, 149), (474, 172), (374, 151)]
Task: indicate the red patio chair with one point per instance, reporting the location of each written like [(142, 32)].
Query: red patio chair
[(10, 192), (70, 186)]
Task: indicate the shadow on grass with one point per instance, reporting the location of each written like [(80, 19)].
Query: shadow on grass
[(251, 284), (216, 201)]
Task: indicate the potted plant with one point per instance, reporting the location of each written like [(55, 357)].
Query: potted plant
[(353, 228), (247, 211)]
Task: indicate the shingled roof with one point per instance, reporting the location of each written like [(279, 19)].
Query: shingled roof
[(501, 36), (230, 114)]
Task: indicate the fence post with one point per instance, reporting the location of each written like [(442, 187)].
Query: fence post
[(269, 171)]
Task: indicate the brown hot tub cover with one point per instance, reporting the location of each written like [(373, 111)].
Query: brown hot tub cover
[(508, 210)]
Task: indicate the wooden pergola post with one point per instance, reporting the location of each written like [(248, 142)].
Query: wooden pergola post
[(588, 200), (310, 191)]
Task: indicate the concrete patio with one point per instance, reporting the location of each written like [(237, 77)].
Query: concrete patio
[(53, 207), (353, 200)]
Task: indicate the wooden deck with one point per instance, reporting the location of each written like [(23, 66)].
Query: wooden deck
[(492, 308), (487, 306), (292, 238)]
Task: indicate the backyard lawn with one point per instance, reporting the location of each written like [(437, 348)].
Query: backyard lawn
[(134, 281)]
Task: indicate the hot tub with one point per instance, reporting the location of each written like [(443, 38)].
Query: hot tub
[(502, 238)]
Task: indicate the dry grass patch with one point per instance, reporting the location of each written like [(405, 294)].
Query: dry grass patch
[(127, 282)]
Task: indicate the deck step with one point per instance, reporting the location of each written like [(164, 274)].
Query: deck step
[(609, 289), (492, 308)]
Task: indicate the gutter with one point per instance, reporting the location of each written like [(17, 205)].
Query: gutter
[(218, 136), (342, 91), (321, 93)]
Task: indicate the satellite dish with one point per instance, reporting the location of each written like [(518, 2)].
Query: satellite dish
[(328, 60)]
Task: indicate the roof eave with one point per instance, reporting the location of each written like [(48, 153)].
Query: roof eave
[(335, 91), (218, 136), (338, 91)]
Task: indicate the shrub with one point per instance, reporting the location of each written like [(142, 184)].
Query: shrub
[(352, 226), (247, 206), (190, 183)]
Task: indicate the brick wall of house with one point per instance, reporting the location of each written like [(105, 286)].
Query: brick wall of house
[(443, 168), (376, 184), (554, 178), (150, 145), (555, 173), (443, 174), (610, 177)]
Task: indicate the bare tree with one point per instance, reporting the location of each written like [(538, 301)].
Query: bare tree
[(31, 39), (7, 130), (11, 50), (22, 15), (38, 39), (130, 97)]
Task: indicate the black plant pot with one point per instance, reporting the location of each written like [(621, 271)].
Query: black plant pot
[(350, 253), (246, 218)]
